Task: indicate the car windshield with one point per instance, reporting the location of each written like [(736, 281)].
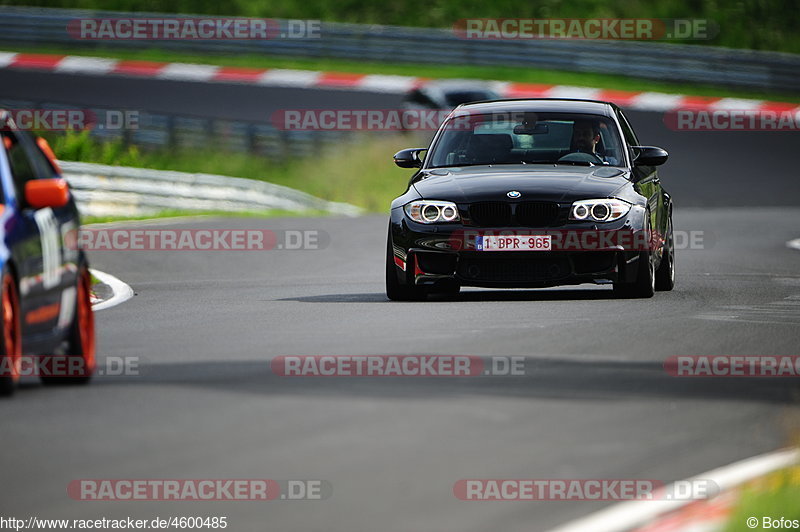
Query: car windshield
[(527, 138)]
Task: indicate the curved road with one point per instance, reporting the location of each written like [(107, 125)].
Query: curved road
[(595, 401)]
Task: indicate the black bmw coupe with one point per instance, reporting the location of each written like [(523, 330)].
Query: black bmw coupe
[(531, 193)]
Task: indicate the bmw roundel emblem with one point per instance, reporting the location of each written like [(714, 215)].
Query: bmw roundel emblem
[(513, 194)]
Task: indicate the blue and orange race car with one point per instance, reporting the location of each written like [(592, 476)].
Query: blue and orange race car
[(47, 319)]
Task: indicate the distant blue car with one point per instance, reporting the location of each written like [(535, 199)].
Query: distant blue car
[(47, 321)]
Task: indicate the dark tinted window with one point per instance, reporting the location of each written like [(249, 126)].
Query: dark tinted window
[(44, 169), (627, 130), (524, 138), (22, 168)]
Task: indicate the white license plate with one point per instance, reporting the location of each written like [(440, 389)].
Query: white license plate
[(513, 243)]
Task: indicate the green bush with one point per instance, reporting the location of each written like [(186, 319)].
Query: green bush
[(331, 175)]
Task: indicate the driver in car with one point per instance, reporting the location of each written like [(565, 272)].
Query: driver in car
[(586, 136)]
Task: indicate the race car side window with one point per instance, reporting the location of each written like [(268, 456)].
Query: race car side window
[(44, 169), (22, 169)]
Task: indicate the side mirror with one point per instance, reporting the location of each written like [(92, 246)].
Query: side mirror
[(408, 158), (649, 156), (41, 193)]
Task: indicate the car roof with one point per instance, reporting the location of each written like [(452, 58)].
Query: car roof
[(551, 105)]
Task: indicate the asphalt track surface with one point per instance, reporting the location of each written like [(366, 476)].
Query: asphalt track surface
[(595, 401)]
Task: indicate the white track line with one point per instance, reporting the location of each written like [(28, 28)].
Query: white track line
[(122, 292), (7, 58), (656, 101), (793, 243), (188, 72), (568, 91), (627, 515), (737, 103), (86, 65), (386, 83), (290, 78)]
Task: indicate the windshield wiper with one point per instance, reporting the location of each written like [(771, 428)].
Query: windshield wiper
[(474, 164), (576, 163), (555, 163)]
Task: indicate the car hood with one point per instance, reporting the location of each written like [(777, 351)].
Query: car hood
[(560, 183)]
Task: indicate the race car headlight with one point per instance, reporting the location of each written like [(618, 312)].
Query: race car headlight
[(599, 210), (431, 212)]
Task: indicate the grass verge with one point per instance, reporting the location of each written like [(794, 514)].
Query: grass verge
[(359, 172), (775, 496)]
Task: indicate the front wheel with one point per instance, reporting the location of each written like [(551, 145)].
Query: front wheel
[(396, 290), (665, 275), (644, 286)]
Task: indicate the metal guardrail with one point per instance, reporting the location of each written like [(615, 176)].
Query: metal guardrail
[(676, 62), (175, 131), (102, 190)]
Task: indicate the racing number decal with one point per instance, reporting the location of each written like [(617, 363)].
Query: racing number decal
[(51, 247)]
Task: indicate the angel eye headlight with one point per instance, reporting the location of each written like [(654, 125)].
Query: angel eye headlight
[(431, 212), (449, 213), (580, 212), (599, 210)]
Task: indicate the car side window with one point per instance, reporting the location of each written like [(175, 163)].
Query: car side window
[(627, 130), (44, 169), (22, 168)]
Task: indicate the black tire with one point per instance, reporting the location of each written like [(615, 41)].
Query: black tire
[(11, 338), (80, 342), (396, 290), (645, 284), (665, 275)]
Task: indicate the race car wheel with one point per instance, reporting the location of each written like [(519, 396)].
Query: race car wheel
[(11, 345), (81, 340)]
